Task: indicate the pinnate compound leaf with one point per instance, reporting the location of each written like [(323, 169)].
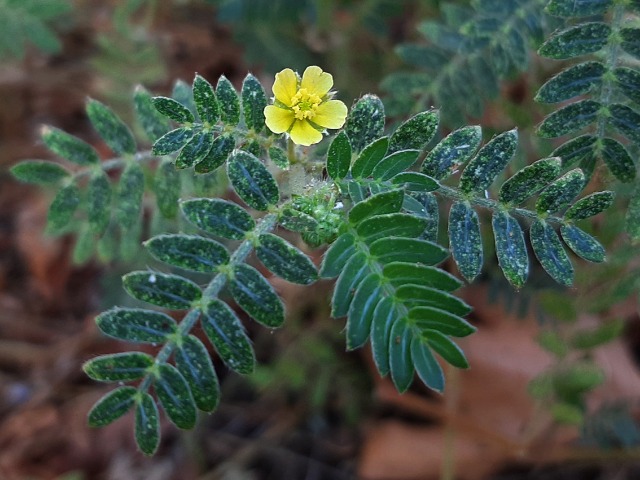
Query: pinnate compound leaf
[(426, 365), (511, 248), (339, 157), (285, 260), (205, 99), (573, 81), (153, 123), (118, 367), (220, 150), (226, 333), (431, 318), (190, 252), (337, 255), (129, 195), (415, 133), (219, 217), (401, 362), (396, 249), (465, 240), (415, 182), (446, 348), (147, 426), (632, 219), (550, 253), (352, 274), (195, 150), (372, 154), (111, 128), (618, 160), (229, 101), (561, 192), (175, 396), (173, 109), (39, 172), (256, 296), (360, 315), (194, 363), (529, 181), (252, 181), (394, 164), (69, 147), (136, 325), (112, 406), (166, 186), (163, 290), (365, 122), (63, 207), (452, 152), (628, 81), (385, 315), (583, 244), (577, 8), (378, 204), (172, 141), (626, 120), (482, 170), (575, 41), (590, 205), (631, 41), (575, 150), (254, 101), (569, 119)]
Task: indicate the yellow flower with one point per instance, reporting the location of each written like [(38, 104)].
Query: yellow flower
[(304, 107)]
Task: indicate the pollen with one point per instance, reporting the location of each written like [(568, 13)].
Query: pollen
[(305, 104)]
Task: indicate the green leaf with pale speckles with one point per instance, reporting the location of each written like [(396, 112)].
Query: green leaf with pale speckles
[(168, 291), (578, 8), (378, 204), (154, 124), (39, 172), (582, 244), (573, 81), (136, 325), (529, 181), (550, 253), (166, 186), (254, 101), (112, 406), (452, 152), (339, 157), (630, 41), (175, 396), (190, 252), (285, 260), (173, 109), (632, 219), (617, 158), (219, 217), (511, 248), (465, 240), (205, 99), (228, 100), (195, 150), (69, 147), (279, 158), (129, 195), (561, 192), (416, 132), (365, 122), (256, 296), (194, 363), (569, 119), (172, 141), (111, 128), (626, 120), (220, 150), (252, 181), (147, 426), (590, 205), (576, 41), (576, 150), (99, 202), (118, 367), (628, 81), (63, 207), (372, 154)]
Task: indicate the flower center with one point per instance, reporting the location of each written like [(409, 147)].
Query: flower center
[(305, 104)]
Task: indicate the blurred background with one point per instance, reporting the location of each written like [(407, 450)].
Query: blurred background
[(553, 390)]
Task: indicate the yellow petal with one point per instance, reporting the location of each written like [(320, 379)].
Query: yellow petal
[(331, 114), (316, 81), (285, 86), (303, 133), (278, 119)]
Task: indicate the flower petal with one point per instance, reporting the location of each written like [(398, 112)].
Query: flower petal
[(278, 119), (285, 86), (302, 133), (316, 81), (331, 114)]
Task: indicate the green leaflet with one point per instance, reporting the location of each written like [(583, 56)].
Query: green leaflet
[(69, 147), (285, 260), (194, 363), (590, 205), (369, 158), (576, 150), (129, 195), (172, 141), (420, 296), (339, 157), (395, 249), (168, 291), (529, 181), (175, 397), (254, 101), (415, 182), (394, 164), (561, 193), (569, 119), (431, 318), (337, 255), (550, 253), (452, 152), (632, 219), (279, 158), (401, 364), (205, 99), (630, 41), (626, 120), (118, 367), (252, 147), (618, 160), (256, 296), (166, 186), (582, 244), (415, 133), (572, 82), (111, 128), (385, 315), (356, 192), (99, 202), (39, 172), (84, 248), (153, 123), (511, 248), (628, 81), (229, 101), (220, 150), (173, 109), (353, 272), (579, 8), (429, 210), (195, 150), (465, 240), (297, 221), (360, 314), (226, 333), (482, 170), (378, 204), (190, 252), (426, 365), (365, 122), (391, 225), (219, 217), (402, 273), (147, 424), (136, 325), (446, 348), (252, 181), (605, 333), (63, 207), (112, 406), (575, 41)]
